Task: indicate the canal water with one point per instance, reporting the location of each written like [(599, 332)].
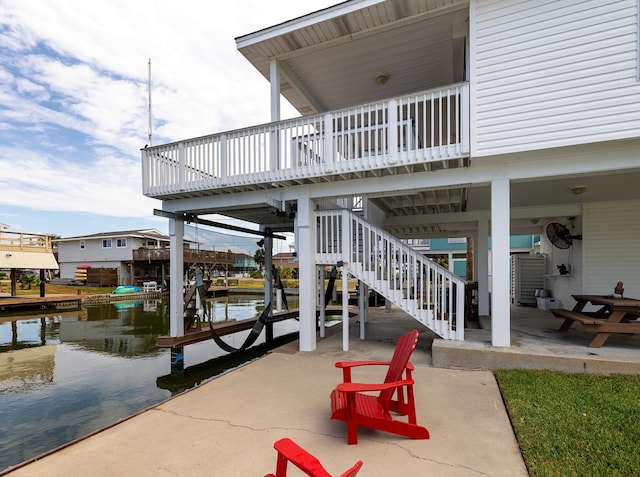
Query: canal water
[(65, 374)]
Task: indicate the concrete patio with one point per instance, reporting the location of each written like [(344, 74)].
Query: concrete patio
[(227, 427), (537, 343)]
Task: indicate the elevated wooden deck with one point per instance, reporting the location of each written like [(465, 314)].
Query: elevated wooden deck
[(25, 242)]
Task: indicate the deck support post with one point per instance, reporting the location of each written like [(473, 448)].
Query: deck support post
[(268, 281), (322, 303), (176, 273), (362, 306), (482, 264), (278, 299), (345, 310), (306, 243), (345, 240), (500, 264), (274, 80), (42, 283)]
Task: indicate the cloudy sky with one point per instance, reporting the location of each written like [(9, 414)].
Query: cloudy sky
[(74, 100)]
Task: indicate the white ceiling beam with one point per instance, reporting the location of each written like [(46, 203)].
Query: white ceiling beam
[(295, 83), (456, 217)]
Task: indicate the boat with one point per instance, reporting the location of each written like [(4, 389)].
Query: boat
[(121, 290)]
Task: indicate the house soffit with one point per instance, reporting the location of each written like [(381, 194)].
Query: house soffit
[(431, 201), (332, 63)]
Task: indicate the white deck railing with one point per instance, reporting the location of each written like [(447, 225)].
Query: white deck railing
[(428, 126), (25, 242), (425, 290)]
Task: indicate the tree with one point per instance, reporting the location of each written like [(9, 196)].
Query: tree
[(28, 280), (259, 258)]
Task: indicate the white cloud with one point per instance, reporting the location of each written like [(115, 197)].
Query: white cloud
[(74, 93), (109, 185)]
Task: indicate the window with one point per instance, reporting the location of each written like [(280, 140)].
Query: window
[(121, 243), (82, 244), (106, 243)]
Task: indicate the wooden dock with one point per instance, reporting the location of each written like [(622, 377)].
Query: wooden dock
[(38, 302)]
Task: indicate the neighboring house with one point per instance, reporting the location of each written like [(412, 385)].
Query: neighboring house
[(244, 263), (478, 119), (134, 254), (285, 260)]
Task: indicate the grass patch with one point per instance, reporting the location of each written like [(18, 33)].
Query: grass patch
[(574, 424)]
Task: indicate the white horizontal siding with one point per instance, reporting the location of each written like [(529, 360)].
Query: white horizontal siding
[(612, 247), (554, 73)]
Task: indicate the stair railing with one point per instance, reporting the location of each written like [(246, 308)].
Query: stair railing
[(427, 291)]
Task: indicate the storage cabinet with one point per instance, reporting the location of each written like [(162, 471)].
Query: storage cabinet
[(527, 275)]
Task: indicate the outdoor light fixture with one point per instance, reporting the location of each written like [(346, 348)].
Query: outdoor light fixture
[(578, 190), (260, 243), (7, 255), (382, 78)]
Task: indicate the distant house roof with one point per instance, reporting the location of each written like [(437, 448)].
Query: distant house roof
[(285, 259), (28, 260), (149, 233), (284, 256)]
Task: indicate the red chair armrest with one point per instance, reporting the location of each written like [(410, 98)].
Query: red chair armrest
[(353, 364), (302, 459), (364, 387)]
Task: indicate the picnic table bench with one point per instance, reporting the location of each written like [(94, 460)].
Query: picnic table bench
[(571, 316), (615, 315)]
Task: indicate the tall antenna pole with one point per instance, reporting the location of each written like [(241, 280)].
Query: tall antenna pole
[(150, 117)]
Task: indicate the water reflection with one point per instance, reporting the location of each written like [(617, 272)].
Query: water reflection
[(66, 374)]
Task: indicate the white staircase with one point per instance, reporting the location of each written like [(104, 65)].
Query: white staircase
[(425, 290)]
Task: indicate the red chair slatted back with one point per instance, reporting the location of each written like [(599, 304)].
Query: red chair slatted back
[(404, 349)]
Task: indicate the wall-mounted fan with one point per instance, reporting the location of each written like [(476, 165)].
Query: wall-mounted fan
[(560, 236)]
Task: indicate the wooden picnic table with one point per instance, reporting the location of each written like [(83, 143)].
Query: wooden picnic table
[(614, 315)]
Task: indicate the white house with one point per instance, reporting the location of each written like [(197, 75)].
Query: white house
[(113, 250), (423, 119), (136, 255)]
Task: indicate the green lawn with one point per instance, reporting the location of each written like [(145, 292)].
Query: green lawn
[(574, 424)]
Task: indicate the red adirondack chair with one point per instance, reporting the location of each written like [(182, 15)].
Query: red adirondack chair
[(289, 451), (349, 402)]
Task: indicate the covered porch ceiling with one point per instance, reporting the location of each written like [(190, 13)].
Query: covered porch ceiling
[(534, 203), (330, 59), (453, 212)]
